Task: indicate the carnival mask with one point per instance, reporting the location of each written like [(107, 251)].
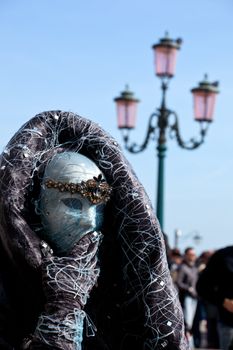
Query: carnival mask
[(72, 200)]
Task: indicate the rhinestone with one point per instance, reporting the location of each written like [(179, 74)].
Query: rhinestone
[(164, 343), (44, 244)]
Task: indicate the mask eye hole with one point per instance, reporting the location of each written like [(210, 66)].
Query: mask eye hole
[(72, 203)]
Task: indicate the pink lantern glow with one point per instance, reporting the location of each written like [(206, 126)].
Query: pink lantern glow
[(165, 61), (126, 110), (204, 97), (165, 53)]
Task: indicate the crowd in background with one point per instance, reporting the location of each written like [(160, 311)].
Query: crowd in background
[(185, 269), (205, 288)]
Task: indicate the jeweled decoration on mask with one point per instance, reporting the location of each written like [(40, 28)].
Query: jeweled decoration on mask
[(96, 190)]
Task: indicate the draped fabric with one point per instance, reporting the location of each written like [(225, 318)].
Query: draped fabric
[(135, 304)]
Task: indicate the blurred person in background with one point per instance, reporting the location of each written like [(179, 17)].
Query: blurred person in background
[(208, 311), (187, 275), (205, 330), (175, 261), (215, 286)]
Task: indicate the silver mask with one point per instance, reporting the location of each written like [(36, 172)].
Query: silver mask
[(66, 216)]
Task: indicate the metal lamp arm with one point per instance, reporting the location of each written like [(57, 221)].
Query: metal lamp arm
[(192, 143), (135, 148)]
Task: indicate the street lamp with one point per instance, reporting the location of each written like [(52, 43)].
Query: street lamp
[(197, 238), (165, 121)]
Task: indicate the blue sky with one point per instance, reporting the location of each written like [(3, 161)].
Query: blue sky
[(78, 55)]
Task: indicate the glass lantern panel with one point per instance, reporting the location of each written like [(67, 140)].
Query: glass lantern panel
[(165, 61), (126, 113), (204, 103)]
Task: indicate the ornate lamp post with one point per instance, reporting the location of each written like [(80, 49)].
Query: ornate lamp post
[(197, 238), (164, 122)]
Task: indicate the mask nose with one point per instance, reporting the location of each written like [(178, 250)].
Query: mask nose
[(89, 216)]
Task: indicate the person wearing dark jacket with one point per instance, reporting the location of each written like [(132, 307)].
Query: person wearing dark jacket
[(215, 286), (186, 282), (65, 286)]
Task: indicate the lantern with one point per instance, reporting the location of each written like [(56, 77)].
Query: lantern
[(204, 97), (165, 56), (126, 109)]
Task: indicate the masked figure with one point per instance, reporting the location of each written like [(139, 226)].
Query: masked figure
[(83, 260), (72, 200)]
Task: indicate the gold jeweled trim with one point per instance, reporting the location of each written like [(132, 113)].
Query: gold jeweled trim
[(96, 190)]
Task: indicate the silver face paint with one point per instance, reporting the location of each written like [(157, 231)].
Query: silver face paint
[(67, 217)]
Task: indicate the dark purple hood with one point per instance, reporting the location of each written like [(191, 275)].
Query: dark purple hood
[(135, 304)]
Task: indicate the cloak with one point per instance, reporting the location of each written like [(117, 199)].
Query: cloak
[(135, 304)]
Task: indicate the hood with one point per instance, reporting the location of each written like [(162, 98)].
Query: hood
[(135, 303)]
